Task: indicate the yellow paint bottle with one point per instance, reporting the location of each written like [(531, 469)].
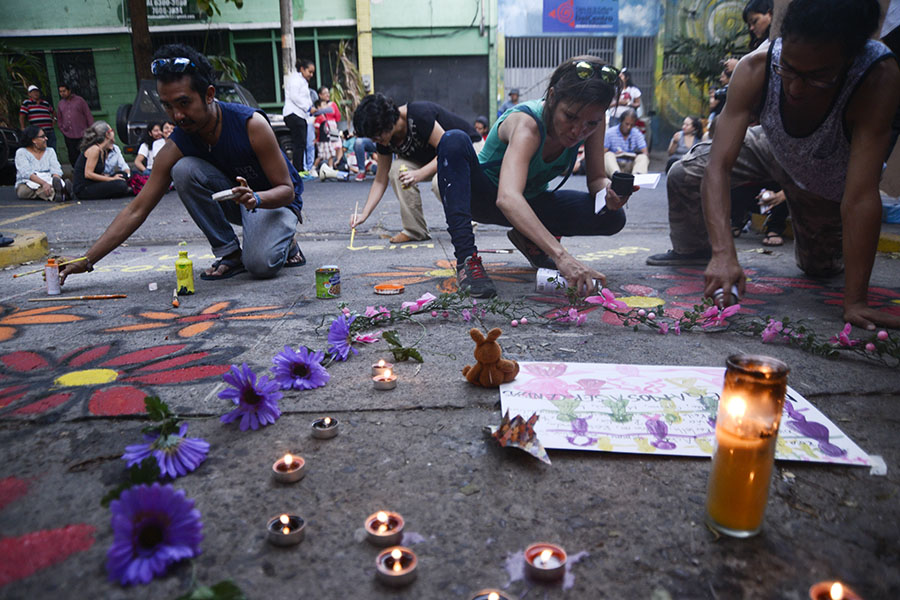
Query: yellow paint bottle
[(403, 169), (184, 274)]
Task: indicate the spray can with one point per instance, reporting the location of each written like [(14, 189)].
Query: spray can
[(184, 274), (549, 281), (403, 169), (51, 274)]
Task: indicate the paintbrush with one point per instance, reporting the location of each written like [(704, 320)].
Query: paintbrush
[(353, 229), (68, 298), (41, 270)]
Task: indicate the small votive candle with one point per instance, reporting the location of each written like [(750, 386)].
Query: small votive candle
[(490, 594), (386, 381), (380, 367), (325, 428), (384, 528), (396, 566), (289, 469), (832, 590), (747, 423), (285, 530), (545, 562)]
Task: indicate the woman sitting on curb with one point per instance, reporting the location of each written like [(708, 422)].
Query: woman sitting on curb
[(38, 172)]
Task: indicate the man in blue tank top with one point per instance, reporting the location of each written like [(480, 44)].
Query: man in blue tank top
[(216, 146), (825, 95)]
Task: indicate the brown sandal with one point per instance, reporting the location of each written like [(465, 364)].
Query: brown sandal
[(772, 239)]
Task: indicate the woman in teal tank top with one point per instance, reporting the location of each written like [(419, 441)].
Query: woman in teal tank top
[(530, 145)]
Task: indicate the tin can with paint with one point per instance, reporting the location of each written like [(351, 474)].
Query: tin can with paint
[(549, 281), (403, 169), (328, 282), (184, 274)]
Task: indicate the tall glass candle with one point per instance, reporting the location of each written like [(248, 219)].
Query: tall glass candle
[(746, 434)]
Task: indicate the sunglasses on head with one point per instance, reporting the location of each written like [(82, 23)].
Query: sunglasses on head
[(173, 65), (586, 70)]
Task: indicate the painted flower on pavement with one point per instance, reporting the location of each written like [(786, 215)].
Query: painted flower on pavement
[(13, 318), (884, 299), (175, 454), (687, 287), (153, 527), (443, 275), (194, 324), (299, 369), (110, 383), (256, 398)]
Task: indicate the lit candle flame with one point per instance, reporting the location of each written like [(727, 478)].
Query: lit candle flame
[(288, 460), (837, 591), (387, 373), (397, 555), (545, 555), (736, 407), (327, 421), (284, 519), (381, 362), (286, 530), (381, 516), (493, 596)]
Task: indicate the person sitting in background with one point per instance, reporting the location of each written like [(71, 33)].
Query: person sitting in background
[(115, 163), (90, 182), (684, 140), (482, 126), (626, 143), (758, 17), (143, 162), (629, 98), (412, 132), (513, 100), (38, 172)]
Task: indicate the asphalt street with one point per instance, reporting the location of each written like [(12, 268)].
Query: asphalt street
[(72, 373)]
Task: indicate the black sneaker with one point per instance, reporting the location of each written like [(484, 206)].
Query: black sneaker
[(675, 259), (537, 257), (69, 191), (59, 190), (472, 277)]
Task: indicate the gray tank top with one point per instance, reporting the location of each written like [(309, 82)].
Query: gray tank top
[(817, 162)]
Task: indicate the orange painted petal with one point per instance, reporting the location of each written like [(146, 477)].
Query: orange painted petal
[(7, 333), (214, 308), (238, 311), (41, 310), (257, 317), (195, 329), (41, 319), (448, 286), (160, 316), (418, 271), (138, 327)]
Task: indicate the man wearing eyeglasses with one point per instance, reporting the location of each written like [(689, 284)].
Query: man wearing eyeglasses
[(216, 146), (825, 95)]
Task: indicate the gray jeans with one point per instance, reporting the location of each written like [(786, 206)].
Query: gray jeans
[(267, 232), (816, 221)]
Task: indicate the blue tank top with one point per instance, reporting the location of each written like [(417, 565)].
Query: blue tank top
[(233, 154)]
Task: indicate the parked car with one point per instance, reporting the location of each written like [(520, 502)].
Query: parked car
[(132, 119), (9, 143)]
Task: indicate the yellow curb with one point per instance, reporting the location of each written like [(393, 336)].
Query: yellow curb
[(28, 245), (889, 242)]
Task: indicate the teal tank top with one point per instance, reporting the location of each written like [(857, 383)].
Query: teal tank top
[(540, 173)]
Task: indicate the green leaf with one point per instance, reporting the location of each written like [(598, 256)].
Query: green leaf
[(157, 409), (392, 338)]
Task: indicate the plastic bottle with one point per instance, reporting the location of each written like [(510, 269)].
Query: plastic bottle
[(51, 274), (184, 274)]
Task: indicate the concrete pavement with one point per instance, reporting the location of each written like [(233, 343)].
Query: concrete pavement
[(418, 450)]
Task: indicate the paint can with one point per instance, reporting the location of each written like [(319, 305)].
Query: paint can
[(184, 274), (549, 281), (401, 170), (328, 282), (51, 274)]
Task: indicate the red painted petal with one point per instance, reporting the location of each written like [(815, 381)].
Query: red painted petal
[(639, 290), (24, 361), (143, 355), (91, 355), (181, 375), (116, 401), (11, 489), (612, 318), (174, 362), (43, 405), (29, 553), (7, 400)]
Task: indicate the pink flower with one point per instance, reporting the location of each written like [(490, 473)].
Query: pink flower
[(714, 318), (434, 313), (346, 311), (773, 331), (369, 338), (677, 328), (514, 323), (663, 328), (882, 335), (426, 299), (466, 315), (445, 314), (580, 319), (524, 320), (843, 338), (377, 313), (642, 313), (870, 347), (651, 316), (607, 300)]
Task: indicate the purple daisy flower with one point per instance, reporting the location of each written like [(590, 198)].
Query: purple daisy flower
[(301, 370), (339, 337), (256, 398), (153, 527), (175, 454)]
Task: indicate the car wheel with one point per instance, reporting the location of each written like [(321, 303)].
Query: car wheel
[(286, 145), (122, 122)]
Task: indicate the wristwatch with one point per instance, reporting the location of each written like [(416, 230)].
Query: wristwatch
[(258, 202)]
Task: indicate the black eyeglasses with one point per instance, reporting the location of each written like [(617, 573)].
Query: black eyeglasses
[(586, 70), (789, 74), (173, 65)]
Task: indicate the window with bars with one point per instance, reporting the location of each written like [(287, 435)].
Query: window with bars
[(76, 70)]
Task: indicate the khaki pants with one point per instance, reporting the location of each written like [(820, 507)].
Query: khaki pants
[(411, 214), (816, 221), (639, 165), (26, 193)]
